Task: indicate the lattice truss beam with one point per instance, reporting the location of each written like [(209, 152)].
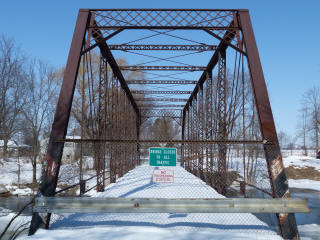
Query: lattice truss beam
[(227, 100)]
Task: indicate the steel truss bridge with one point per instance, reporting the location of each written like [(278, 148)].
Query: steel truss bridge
[(226, 111)]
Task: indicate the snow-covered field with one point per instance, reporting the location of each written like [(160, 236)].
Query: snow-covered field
[(9, 175), (69, 174), (301, 161)]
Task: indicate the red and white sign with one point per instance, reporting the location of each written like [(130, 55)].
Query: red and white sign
[(163, 176)]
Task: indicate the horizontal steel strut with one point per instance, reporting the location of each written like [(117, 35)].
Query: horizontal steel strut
[(163, 47), (160, 106), (168, 141), (163, 68), (158, 116), (159, 92), (161, 82), (161, 100), (151, 205)]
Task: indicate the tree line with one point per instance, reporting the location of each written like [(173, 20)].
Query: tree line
[(28, 93)]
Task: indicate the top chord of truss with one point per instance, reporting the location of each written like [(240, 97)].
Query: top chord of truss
[(152, 47), (163, 68), (163, 18), (161, 82)]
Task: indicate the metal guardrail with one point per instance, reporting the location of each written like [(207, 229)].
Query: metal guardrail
[(151, 205)]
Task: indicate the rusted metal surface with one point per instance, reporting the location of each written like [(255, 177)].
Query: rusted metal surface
[(161, 99), (213, 61), (161, 82), (222, 118), (163, 68), (226, 141), (101, 41), (159, 92), (278, 180), (153, 47), (49, 176), (160, 106), (106, 53), (164, 18)]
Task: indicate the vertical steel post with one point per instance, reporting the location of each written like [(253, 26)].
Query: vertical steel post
[(278, 179), (183, 137), (222, 102), (189, 138), (50, 174), (138, 124), (99, 149), (112, 131), (201, 129), (209, 125)]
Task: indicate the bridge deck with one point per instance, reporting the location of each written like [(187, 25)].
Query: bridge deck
[(138, 184)]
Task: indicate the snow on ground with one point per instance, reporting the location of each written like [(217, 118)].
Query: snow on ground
[(304, 184), (301, 162), (138, 184), (5, 217), (309, 231), (8, 171), (68, 175), (143, 233)]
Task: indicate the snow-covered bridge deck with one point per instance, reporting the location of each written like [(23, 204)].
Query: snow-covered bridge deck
[(138, 184)]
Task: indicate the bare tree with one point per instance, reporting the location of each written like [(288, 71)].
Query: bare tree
[(11, 89), (40, 102), (283, 139), (303, 128), (311, 100), (165, 128)]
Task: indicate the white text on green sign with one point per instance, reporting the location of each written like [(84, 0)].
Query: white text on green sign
[(162, 156)]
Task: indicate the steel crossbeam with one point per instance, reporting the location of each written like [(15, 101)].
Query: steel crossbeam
[(159, 92), (160, 106), (161, 100), (161, 82), (163, 68), (153, 47)]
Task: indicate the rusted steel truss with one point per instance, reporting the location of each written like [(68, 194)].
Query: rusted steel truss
[(159, 92), (161, 82), (161, 100), (214, 122), (163, 68), (160, 106), (153, 47)]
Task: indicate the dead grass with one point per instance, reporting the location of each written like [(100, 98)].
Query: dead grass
[(302, 173)]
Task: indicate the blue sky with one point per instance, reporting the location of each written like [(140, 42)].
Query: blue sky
[(287, 34)]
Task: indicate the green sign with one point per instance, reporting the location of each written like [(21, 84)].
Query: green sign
[(162, 156)]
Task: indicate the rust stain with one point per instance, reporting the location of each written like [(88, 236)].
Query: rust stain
[(51, 165), (276, 167)]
